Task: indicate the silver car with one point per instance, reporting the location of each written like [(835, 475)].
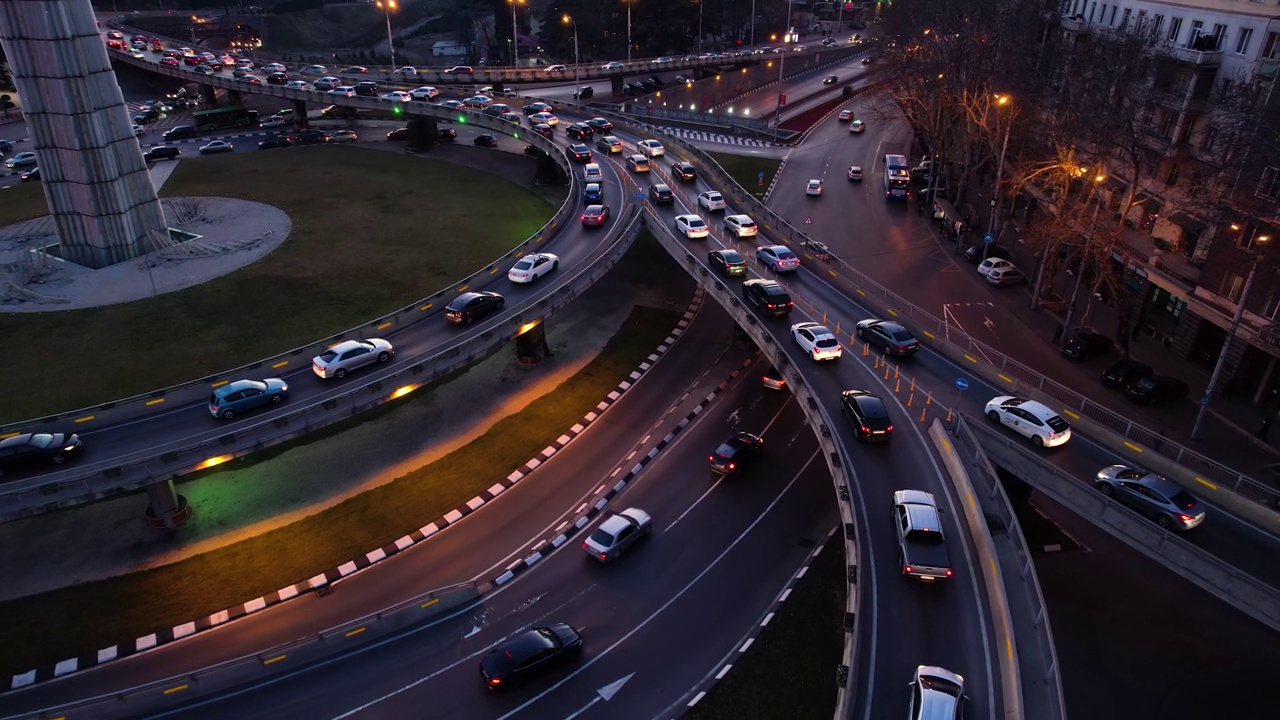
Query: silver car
[(1152, 495), (349, 355), (936, 694), (616, 533)]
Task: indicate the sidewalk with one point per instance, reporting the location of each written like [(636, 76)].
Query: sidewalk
[(1227, 434)]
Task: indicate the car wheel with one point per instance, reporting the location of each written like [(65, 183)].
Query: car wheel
[(467, 320), (228, 414), (1164, 522), (276, 399), (384, 356), (340, 373), (862, 333), (993, 416), (555, 265), (58, 459), (1037, 441), (1106, 489), (502, 303)]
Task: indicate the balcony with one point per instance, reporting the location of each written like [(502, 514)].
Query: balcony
[(1198, 58), (1075, 24), (1166, 268)]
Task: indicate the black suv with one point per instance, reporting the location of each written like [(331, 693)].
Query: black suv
[(181, 132), (312, 136), (867, 413), (661, 194), (733, 454), (367, 89), (581, 131), (685, 171), (161, 152), (769, 296)]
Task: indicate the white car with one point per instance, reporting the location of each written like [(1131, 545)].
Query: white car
[(22, 159), (556, 68), (217, 146), (138, 130), (817, 341), (271, 122), (136, 53), (778, 258), (692, 226), (327, 82), (344, 91), (478, 101), (615, 65), (245, 63), (617, 533), (298, 85), (426, 92), (1029, 418), (344, 136), (406, 71), (711, 200), (544, 118), (652, 148), (857, 126), (314, 70), (591, 173), (740, 225), (398, 96), (273, 68), (991, 264), (531, 267), (845, 116), (813, 188), (936, 693), (349, 355)]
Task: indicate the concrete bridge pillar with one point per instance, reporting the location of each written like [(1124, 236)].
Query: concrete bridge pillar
[(167, 509), (208, 97), (300, 115)]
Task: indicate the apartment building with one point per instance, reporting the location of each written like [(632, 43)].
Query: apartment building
[(1190, 264)]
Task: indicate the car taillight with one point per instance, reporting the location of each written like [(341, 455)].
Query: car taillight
[(495, 682), (582, 217), (889, 429), (788, 303), (604, 556), (216, 408), (1185, 518), (906, 569), (902, 347), (733, 466), (948, 572)]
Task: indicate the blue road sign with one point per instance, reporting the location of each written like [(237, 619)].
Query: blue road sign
[(1204, 400), (641, 196), (761, 175), (987, 238), (962, 384)]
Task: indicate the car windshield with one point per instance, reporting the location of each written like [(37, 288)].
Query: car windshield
[(902, 336), (746, 224), (328, 355), (786, 255), (732, 257), (1183, 499), (697, 223), (602, 538), (1057, 423), (41, 440)]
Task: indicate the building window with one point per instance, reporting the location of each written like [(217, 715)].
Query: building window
[(1269, 186), (1093, 8), (1219, 34), (1208, 138), (1102, 17), (1271, 307), (1157, 25), (1114, 10), (1175, 29), (1242, 40), (1246, 237), (1197, 27), (1270, 50), (1232, 285), (1166, 125), (1124, 20), (1172, 178)]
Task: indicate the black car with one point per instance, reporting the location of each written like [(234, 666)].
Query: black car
[(974, 253), (277, 79), (180, 132), (581, 131), (1124, 372), (895, 339), (768, 295), (830, 79), (148, 115), (584, 92), (37, 448), (486, 140), (339, 111), (656, 82), (600, 125), (868, 414), (727, 262), (650, 86), (535, 108), (580, 153), (661, 194), (633, 89), (279, 141), (685, 171), (532, 652), (528, 150), (32, 175), (442, 134), (1087, 344), (367, 89), (312, 137), (471, 306), (161, 152), (734, 454), (1156, 388), (359, 69), (773, 380), (399, 134)]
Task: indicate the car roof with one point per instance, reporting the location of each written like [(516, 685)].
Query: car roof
[(346, 345), (615, 523)]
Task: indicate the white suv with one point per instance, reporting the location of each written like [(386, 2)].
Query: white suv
[(425, 92), (711, 200), (740, 225)]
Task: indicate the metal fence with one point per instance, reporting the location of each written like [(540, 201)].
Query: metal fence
[(17, 500)]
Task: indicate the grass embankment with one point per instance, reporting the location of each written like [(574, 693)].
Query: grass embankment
[(746, 169), (371, 233), (59, 624), (790, 670)]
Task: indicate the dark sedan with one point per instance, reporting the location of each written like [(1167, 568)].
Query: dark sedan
[(471, 306), (1124, 372), (37, 448), (1087, 344), (728, 262), (733, 454), (1157, 388), (600, 125), (685, 171), (486, 140), (867, 413), (275, 142), (399, 134), (530, 653), (660, 194)]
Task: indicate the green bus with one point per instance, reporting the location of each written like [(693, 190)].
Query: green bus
[(236, 116)]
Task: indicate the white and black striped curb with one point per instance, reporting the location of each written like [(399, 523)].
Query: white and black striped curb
[(776, 174), (588, 512), (707, 683), (322, 584)]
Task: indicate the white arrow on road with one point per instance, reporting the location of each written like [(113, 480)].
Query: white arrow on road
[(605, 693)]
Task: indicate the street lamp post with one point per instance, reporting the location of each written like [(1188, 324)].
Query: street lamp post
[(1001, 101), (515, 33), (1260, 240), (753, 23), (629, 30), (387, 6), (700, 4), (777, 114), (1093, 221), (577, 82)]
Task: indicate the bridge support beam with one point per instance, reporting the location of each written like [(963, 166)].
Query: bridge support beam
[(616, 84), (98, 189), (300, 120), (167, 509), (235, 97)]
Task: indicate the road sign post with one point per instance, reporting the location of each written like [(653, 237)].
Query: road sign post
[(961, 385)]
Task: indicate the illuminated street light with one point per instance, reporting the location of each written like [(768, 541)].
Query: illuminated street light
[(577, 82), (515, 33), (387, 6)]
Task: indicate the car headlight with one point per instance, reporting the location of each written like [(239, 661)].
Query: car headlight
[(69, 448), (284, 387)]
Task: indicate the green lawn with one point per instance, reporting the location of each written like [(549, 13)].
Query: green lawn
[(55, 625), (790, 670), (366, 240), (746, 170)]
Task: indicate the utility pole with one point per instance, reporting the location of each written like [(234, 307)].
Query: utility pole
[(1001, 100), (777, 114)]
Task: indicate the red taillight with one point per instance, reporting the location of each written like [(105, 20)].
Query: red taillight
[(948, 572), (582, 217), (788, 303), (216, 408), (1186, 518), (494, 682), (906, 569), (733, 466), (889, 429), (864, 429), (902, 347), (604, 556)]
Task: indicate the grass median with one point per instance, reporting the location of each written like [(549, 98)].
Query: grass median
[(790, 670), (52, 626), (747, 170), (372, 232)]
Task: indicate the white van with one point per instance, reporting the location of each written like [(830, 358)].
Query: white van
[(592, 173)]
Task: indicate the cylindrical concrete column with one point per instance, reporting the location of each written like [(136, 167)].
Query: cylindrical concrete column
[(167, 509), (99, 192), (300, 115), (208, 97)]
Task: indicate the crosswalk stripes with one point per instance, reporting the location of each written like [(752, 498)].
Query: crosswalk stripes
[(703, 136), (164, 122)]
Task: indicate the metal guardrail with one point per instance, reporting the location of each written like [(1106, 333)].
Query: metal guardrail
[(165, 694), (409, 313), (999, 514), (1244, 592), (164, 464)]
